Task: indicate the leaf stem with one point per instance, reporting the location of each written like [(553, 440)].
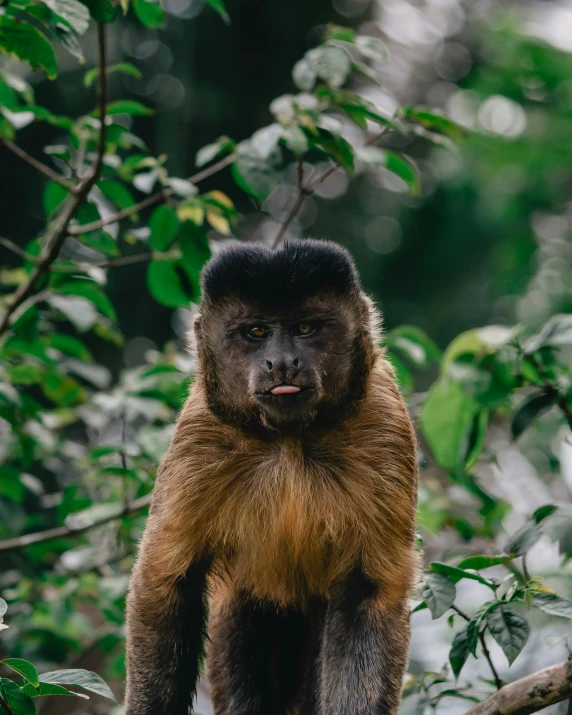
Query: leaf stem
[(486, 652), (40, 166)]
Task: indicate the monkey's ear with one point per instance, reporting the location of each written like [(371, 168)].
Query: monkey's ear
[(195, 338)]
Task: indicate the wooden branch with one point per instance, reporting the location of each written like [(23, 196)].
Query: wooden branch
[(59, 532), (150, 200), (529, 694), (40, 166), (58, 229), (11, 246)]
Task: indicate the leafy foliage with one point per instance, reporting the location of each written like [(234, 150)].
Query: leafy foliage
[(81, 439)]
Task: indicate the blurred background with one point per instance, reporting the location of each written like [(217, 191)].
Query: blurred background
[(486, 242)]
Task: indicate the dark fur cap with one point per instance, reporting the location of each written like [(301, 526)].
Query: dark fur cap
[(277, 280)]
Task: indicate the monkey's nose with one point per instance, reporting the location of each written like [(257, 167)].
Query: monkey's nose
[(269, 365)]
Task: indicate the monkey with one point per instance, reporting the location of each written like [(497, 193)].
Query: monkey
[(281, 535)]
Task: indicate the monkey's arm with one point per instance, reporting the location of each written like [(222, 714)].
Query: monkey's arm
[(364, 650), (166, 622)]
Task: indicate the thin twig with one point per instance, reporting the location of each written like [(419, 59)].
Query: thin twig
[(486, 652), (40, 166), (303, 191), (150, 200), (295, 204), (58, 229), (59, 532), (11, 246)]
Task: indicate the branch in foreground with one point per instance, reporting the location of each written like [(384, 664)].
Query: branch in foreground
[(150, 200), (529, 694), (58, 229), (59, 532)]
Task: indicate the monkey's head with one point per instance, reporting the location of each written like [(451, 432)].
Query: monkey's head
[(285, 338)]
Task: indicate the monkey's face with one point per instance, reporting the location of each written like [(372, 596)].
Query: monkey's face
[(281, 369)]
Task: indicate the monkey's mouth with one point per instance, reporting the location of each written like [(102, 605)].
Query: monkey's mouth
[(285, 390)]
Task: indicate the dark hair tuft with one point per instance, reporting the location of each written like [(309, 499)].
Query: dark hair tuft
[(278, 279)]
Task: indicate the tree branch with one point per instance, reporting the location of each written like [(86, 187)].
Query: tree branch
[(40, 166), (303, 191), (59, 532), (58, 229), (529, 694), (150, 200)]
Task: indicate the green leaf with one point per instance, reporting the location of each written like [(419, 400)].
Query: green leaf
[(254, 174), (209, 152), (358, 113), (92, 292), (449, 418), (72, 11), (18, 701), (20, 39), (459, 652), (118, 193), (295, 139), (553, 604), (371, 47), (339, 32), (434, 122), (509, 629), (219, 7), (336, 147), (195, 250), (84, 679), (523, 540), (304, 75), (531, 409), (68, 345), (53, 197), (439, 593), (122, 67), (99, 241), (415, 344), (556, 331), (483, 562), (23, 668), (101, 10), (148, 13), (163, 225), (50, 689), (129, 106), (543, 512), (396, 163), (332, 64), (166, 284), (456, 574)]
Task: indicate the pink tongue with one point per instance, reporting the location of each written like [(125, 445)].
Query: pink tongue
[(285, 390)]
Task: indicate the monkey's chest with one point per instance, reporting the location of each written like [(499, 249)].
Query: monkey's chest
[(293, 542)]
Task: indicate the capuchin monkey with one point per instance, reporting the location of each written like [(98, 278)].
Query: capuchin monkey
[(281, 533)]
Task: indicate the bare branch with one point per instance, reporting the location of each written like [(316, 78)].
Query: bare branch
[(529, 694), (59, 532), (58, 230), (150, 200), (40, 166), (486, 652), (11, 246)]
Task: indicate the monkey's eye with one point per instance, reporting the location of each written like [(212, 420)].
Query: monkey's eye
[(304, 329), (258, 332)]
